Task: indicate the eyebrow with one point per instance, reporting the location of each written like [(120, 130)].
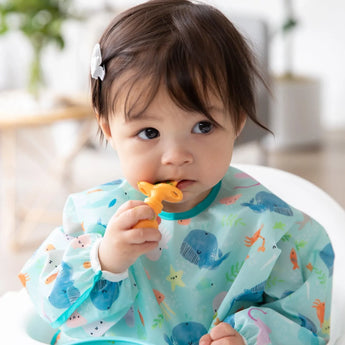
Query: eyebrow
[(215, 108), (140, 116), (143, 115)]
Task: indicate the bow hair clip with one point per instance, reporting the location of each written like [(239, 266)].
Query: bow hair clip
[(97, 70)]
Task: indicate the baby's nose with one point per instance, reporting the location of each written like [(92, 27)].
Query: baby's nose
[(177, 155)]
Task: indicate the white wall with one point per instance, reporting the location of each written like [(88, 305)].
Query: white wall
[(319, 44), (319, 48)]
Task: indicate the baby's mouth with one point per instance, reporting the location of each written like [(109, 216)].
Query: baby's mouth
[(171, 182), (182, 184)]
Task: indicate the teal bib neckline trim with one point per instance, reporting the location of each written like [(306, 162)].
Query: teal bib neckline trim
[(195, 210)]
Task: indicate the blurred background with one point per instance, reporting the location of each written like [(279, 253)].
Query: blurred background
[(49, 146)]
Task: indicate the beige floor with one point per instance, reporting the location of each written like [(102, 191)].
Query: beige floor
[(324, 166)]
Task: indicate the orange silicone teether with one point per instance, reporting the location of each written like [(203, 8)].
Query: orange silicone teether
[(156, 193)]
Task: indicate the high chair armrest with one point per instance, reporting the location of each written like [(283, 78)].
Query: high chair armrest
[(20, 323)]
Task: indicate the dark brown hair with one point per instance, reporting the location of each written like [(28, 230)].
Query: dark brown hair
[(190, 48)]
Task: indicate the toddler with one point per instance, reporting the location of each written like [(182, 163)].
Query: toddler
[(231, 263)]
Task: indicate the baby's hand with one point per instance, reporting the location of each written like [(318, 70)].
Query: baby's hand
[(223, 334), (122, 244)]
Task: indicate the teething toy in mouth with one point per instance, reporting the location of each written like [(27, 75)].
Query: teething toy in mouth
[(156, 193)]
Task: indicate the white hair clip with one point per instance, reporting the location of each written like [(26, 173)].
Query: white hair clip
[(97, 70)]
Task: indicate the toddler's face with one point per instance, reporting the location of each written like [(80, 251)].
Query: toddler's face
[(170, 143)]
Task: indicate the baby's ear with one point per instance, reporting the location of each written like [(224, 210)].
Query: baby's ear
[(242, 124), (104, 125)]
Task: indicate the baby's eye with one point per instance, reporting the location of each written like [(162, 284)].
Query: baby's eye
[(148, 133), (203, 127)]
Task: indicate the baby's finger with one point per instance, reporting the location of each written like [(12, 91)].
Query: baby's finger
[(205, 340), (142, 235), (143, 248), (222, 330), (130, 217), (128, 205)]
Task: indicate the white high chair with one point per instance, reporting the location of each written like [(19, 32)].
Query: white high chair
[(19, 324)]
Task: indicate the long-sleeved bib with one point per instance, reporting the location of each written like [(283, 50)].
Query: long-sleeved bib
[(242, 256)]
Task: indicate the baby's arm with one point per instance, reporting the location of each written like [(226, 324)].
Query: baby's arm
[(297, 295), (222, 333), (65, 278)]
